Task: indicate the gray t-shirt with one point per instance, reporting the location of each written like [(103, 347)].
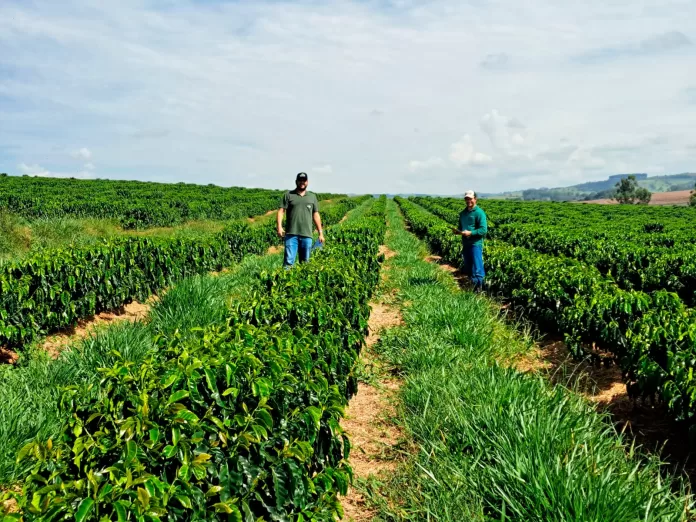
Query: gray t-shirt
[(299, 211)]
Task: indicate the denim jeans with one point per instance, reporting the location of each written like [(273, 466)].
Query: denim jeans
[(293, 243), (473, 264)]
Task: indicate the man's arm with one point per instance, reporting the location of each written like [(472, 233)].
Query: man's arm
[(482, 229), (279, 222), (317, 223), (458, 231), (281, 213)]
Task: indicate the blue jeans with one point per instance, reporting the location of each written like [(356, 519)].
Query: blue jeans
[(293, 243), (473, 264)]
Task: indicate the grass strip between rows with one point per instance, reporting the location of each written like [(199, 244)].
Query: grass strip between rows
[(491, 443)]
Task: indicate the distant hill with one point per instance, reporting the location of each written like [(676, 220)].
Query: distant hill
[(603, 189)]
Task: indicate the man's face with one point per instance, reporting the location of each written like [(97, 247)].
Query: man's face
[(301, 184), (470, 202)]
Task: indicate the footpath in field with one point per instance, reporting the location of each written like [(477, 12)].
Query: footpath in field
[(486, 441), (373, 436)]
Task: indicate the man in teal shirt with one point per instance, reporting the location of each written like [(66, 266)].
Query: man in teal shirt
[(473, 227), (302, 208)]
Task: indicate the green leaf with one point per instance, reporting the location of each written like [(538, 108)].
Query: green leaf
[(169, 451), (187, 416), (177, 396), (265, 417), (84, 509), (214, 490), (184, 501), (131, 451), (144, 497), (120, 511)]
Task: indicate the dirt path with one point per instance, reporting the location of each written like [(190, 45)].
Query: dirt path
[(55, 343), (257, 218), (367, 422), (135, 311), (648, 425)]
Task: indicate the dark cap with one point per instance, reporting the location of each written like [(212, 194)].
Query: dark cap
[(301, 176)]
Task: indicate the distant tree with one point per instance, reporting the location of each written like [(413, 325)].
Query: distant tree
[(629, 193), (692, 199)]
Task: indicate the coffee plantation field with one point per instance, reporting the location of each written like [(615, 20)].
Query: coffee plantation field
[(227, 401), (134, 204), (620, 279)]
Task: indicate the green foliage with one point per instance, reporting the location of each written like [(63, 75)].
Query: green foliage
[(628, 192), (491, 443), (53, 289), (692, 198), (30, 390), (653, 336), (238, 422), (641, 248), (135, 204), (336, 212)]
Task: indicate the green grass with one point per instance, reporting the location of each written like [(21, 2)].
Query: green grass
[(30, 392), (490, 443)]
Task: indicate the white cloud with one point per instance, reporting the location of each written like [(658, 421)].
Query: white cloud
[(495, 61), (37, 170), (89, 166), (32, 170), (462, 153), (507, 135), (430, 163), (324, 169), (83, 153), (584, 159), (257, 86)]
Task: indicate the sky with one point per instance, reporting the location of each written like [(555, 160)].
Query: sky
[(365, 96)]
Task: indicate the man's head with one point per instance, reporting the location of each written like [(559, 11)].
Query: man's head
[(470, 199), (301, 181)]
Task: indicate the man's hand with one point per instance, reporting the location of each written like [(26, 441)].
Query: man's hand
[(281, 232), (321, 237), (466, 233)]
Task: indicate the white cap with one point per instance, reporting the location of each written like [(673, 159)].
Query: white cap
[(470, 194)]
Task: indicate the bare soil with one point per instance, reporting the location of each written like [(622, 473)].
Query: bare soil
[(135, 311), (253, 219), (10, 506), (647, 424), (679, 197), (388, 253), (367, 422), (8, 356), (275, 249)]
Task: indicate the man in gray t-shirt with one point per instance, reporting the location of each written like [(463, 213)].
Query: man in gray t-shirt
[(302, 208)]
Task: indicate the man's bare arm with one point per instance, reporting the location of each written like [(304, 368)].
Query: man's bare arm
[(317, 222), (279, 222)]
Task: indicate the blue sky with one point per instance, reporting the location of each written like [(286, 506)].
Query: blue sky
[(434, 96)]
